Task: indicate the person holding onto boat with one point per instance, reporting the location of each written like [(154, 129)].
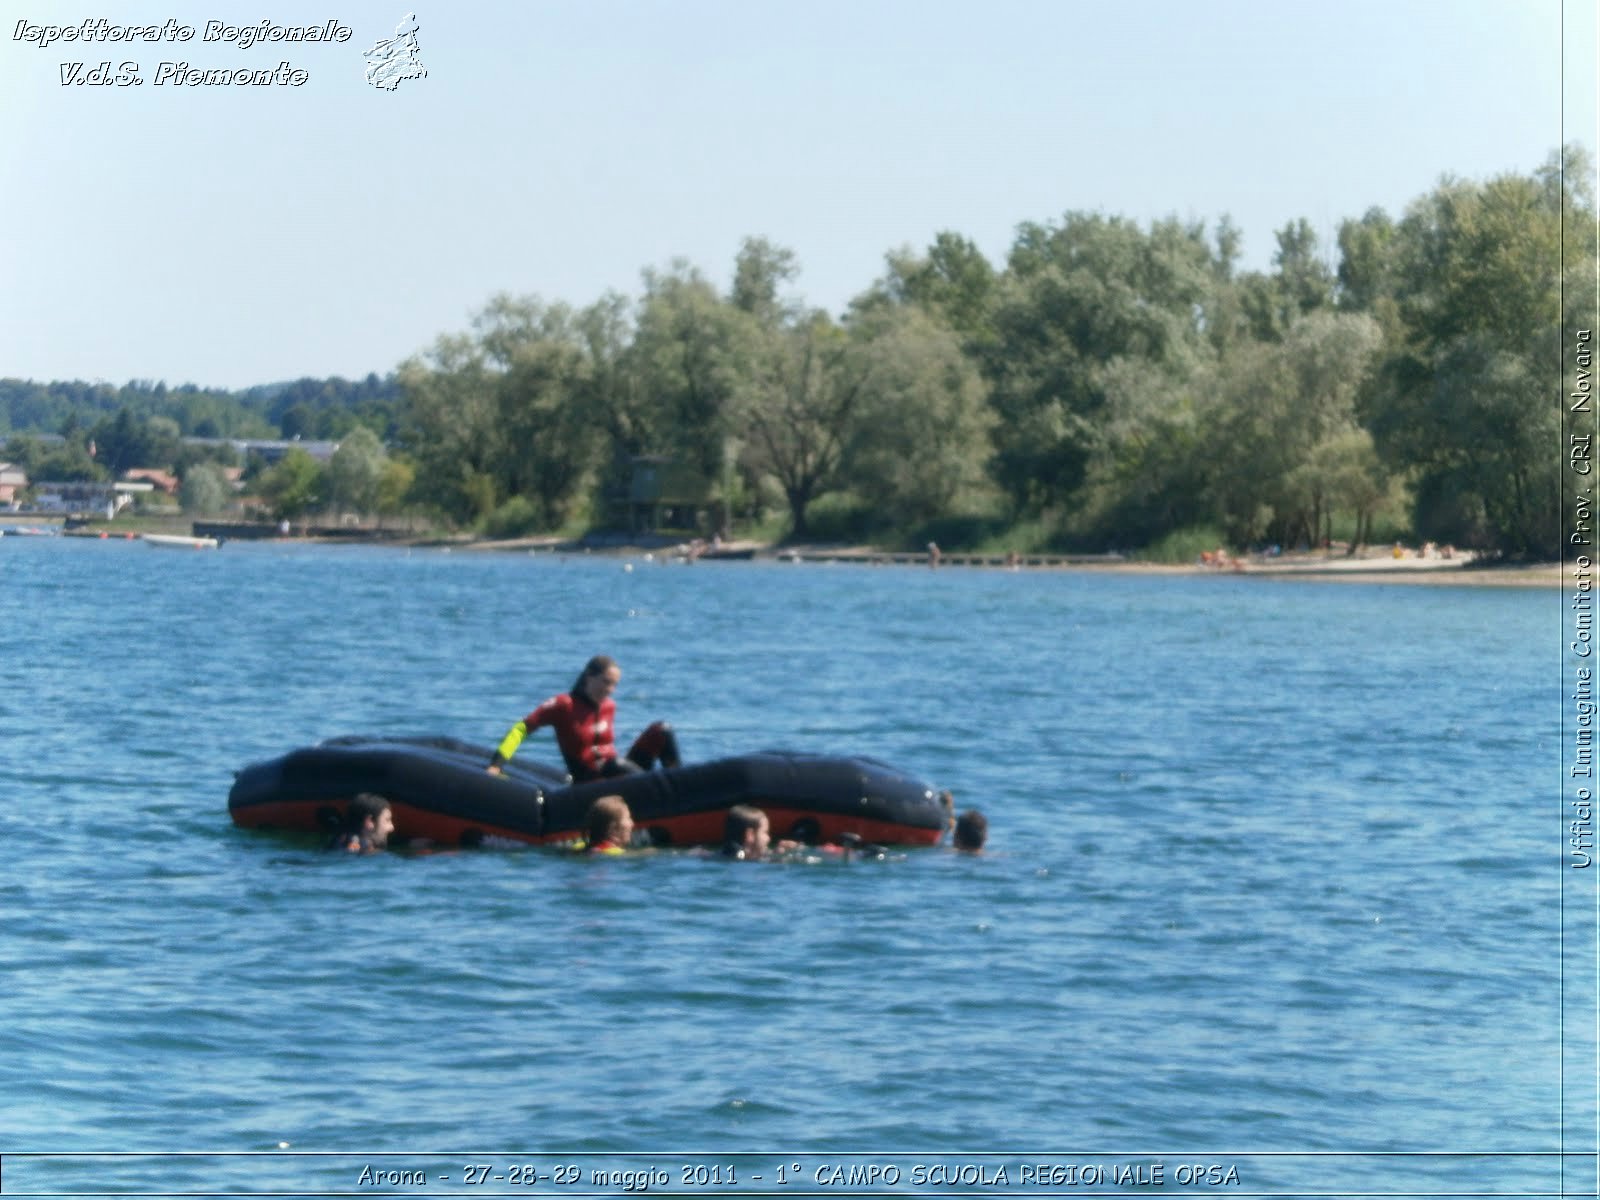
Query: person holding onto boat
[(747, 834), (610, 826), (971, 832), (584, 720), (368, 822)]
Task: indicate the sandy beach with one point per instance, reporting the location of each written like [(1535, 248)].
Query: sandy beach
[(1415, 571), (1374, 565), (1543, 575), (1462, 570)]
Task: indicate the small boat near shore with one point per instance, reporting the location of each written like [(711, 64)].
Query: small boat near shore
[(439, 790), (177, 541)]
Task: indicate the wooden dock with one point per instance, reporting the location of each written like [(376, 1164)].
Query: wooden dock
[(947, 559)]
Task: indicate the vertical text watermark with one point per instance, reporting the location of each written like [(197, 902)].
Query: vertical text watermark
[(1580, 566)]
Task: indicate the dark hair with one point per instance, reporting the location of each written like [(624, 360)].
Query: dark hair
[(972, 830), (740, 820), (598, 665), (603, 814), (364, 806)]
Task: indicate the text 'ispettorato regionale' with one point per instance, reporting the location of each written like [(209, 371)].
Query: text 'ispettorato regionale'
[(98, 32)]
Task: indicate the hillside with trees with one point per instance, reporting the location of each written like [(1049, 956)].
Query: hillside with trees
[(1109, 385)]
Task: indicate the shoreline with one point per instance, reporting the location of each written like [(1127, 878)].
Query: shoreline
[(1316, 568), (1375, 567)]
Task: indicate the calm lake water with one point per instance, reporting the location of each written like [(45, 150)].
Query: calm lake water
[(1275, 885)]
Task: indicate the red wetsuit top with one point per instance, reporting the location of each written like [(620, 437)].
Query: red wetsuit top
[(584, 732)]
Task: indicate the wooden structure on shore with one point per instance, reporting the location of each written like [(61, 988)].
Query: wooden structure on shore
[(947, 558)]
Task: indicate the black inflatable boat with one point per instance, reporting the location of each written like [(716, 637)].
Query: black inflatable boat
[(439, 790)]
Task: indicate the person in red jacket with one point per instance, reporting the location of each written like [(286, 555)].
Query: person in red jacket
[(584, 720)]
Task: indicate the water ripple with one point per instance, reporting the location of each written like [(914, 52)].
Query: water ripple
[(1256, 878)]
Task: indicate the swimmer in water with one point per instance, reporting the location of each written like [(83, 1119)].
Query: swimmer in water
[(610, 826), (368, 822), (747, 834), (971, 832)]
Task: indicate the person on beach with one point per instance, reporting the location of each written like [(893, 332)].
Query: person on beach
[(585, 723), (368, 822), (610, 826)]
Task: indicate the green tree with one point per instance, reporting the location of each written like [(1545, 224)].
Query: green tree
[(298, 421), (189, 454), (1340, 474), (551, 442), (921, 433), (293, 487), (1273, 405), (1304, 278), (511, 411), (625, 405), (1366, 260), (355, 473), (952, 280), (760, 269), (1301, 283), (451, 428), (63, 462), (1150, 471), (205, 490), (688, 355), (801, 407), (395, 488), (1076, 300), (130, 440), (20, 449), (1477, 291)]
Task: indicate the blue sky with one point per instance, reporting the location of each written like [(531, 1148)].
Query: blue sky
[(240, 235)]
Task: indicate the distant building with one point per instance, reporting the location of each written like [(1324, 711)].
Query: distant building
[(44, 439), (83, 499), (664, 494), (271, 450), (161, 481), (12, 480)]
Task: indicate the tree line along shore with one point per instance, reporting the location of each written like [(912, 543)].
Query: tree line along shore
[(1110, 388)]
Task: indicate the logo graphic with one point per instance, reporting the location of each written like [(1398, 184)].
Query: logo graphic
[(392, 59)]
